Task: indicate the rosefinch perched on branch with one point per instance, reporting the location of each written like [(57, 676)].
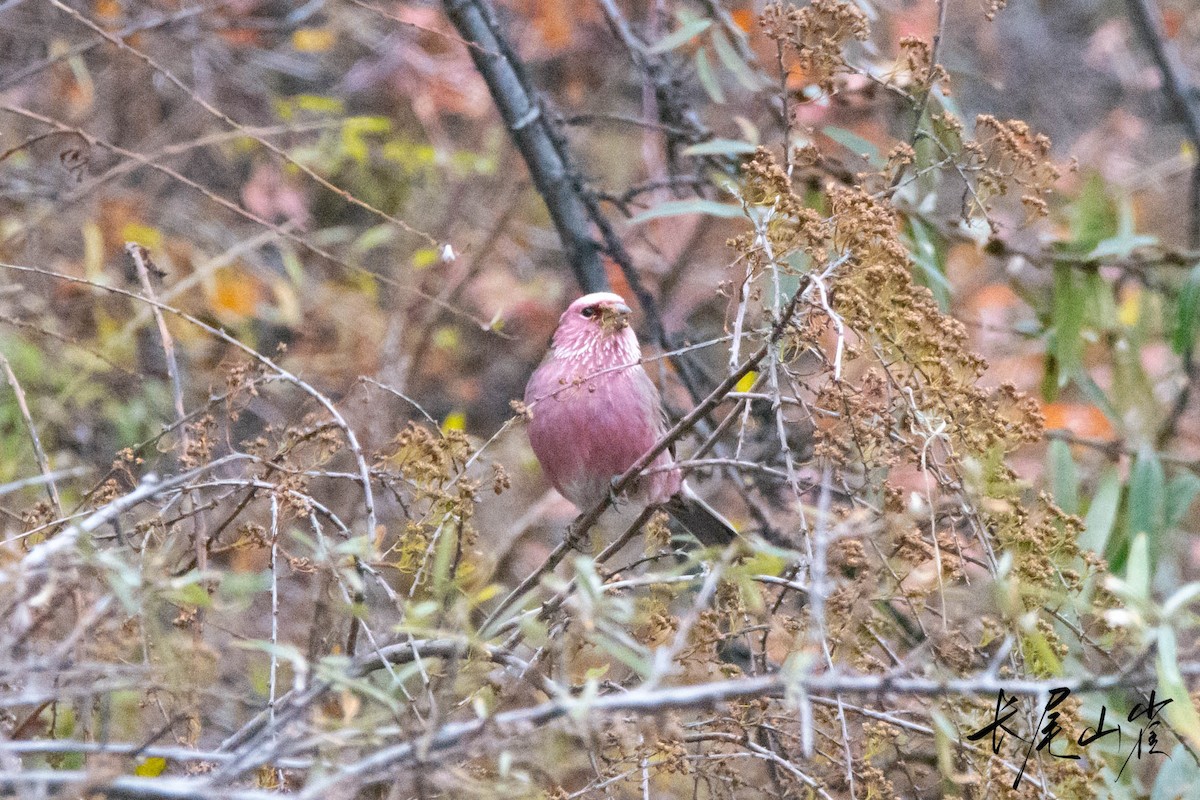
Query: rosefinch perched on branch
[(596, 412)]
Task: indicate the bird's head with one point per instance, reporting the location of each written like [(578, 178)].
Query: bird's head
[(599, 319)]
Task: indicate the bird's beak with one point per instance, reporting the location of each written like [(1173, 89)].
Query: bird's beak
[(615, 317)]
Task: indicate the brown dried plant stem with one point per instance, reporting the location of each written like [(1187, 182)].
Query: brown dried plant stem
[(1182, 96), (573, 204), (283, 231), (376, 767), (141, 260), (1176, 87), (922, 103), (356, 450)]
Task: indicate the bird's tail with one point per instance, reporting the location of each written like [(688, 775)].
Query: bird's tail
[(704, 522)]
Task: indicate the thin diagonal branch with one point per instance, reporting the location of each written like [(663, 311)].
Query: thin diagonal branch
[(38, 452)]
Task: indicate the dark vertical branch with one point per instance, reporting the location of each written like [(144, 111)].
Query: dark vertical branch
[(573, 206), (530, 131), (1175, 86)]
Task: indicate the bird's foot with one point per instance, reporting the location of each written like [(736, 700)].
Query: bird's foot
[(576, 538), (613, 497)]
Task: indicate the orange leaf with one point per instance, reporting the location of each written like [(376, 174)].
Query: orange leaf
[(241, 37), (234, 293), (1080, 419), (554, 22), (743, 18), (108, 9), (1173, 20), (994, 295)]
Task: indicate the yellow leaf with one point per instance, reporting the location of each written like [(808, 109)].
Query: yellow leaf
[(455, 421), (486, 593), (287, 302), (144, 235), (93, 251), (150, 768), (313, 40), (424, 257), (1130, 309), (747, 382), (446, 338), (319, 102)]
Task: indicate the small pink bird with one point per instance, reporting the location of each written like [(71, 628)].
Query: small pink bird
[(596, 412)]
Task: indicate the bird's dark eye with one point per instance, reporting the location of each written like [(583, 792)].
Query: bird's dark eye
[(590, 311)]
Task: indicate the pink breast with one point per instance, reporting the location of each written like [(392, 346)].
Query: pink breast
[(585, 434)]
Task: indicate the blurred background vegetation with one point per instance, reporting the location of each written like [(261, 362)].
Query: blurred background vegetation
[(329, 183)]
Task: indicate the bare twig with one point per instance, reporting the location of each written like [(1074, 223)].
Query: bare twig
[(122, 44), (283, 231), (38, 452), (376, 767), (351, 438)]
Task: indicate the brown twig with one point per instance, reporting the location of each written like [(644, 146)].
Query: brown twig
[(282, 231), (170, 76), (351, 438), (143, 264)]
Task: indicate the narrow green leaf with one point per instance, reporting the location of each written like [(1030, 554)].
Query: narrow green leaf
[(855, 144), (733, 62), (1101, 308), (1122, 246), (1069, 305), (1138, 568), (681, 35), (1181, 713), (1126, 239), (927, 256), (375, 236), (1064, 477), (1182, 598), (676, 208), (708, 78), (1181, 493), (1096, 396), (444, 559), (1093, 216), (1147, 496), (719, 147), (1187, 319), (1102, 513)]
